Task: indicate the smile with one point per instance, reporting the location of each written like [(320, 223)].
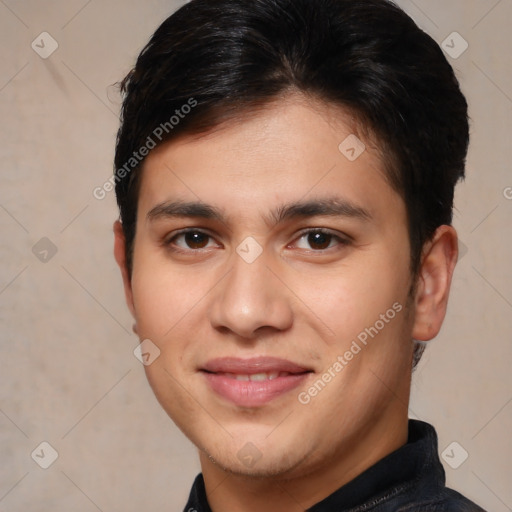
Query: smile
[(253, 382)]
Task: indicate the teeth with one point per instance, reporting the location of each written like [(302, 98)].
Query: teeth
[(257, 377)]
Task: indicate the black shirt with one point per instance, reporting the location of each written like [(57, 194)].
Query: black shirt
[(411, 479)]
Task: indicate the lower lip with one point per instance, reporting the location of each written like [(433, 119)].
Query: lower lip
[(253, 393)]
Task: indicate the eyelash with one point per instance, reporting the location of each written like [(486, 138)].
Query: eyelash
[(169, 242)]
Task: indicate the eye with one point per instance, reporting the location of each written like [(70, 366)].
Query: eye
[(191, 239), (319, 240)]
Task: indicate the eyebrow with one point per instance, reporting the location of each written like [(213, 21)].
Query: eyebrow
[(329, 207)]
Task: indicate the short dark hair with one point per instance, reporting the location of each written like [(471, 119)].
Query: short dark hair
[(224, 58)]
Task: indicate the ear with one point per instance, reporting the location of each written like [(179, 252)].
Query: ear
[(434, 280), (120, 256)]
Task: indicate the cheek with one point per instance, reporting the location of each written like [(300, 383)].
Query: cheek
[(351, 297), (164, 292), (163, 297)]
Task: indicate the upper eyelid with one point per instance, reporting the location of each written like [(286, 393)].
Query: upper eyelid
[(327, 231), (169, 238), (342, 238)]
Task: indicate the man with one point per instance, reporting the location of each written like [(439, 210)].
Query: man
[(285, 173)]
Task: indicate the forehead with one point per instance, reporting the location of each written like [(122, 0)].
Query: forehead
[(290, 150)]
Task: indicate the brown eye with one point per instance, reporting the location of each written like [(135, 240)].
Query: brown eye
[(319, 240), (191, 240), (196, 240)]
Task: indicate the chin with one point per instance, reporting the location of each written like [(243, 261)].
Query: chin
[(261, 459)]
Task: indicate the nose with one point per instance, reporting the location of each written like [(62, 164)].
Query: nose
[(251, 299)]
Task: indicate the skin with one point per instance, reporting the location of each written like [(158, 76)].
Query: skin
[(298, 300)]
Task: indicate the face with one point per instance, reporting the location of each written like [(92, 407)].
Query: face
[(272, 272)]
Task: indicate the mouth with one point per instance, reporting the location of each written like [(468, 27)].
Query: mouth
[(253, 382)]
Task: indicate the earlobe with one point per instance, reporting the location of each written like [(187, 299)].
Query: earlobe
[(120, 256), (434, 281)]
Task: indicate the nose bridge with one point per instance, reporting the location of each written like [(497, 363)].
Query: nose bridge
[(250, 298)]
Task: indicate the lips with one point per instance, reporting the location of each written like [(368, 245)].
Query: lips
[(253, 382)]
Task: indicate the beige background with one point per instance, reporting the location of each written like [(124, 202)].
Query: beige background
[(68, 373)]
